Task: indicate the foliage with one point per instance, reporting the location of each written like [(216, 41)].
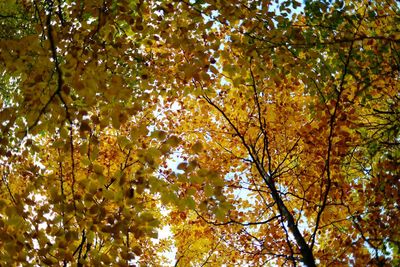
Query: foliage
[(258, 132)]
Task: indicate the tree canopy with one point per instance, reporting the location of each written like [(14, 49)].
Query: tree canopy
[(253, 132)]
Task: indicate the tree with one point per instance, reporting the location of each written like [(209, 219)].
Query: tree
[(282, 118)]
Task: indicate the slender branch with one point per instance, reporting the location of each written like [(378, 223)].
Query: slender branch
[(236, 222), (5, 181), (331, 134), (261, 122), (177, 261), (79, 248), (210, 253)]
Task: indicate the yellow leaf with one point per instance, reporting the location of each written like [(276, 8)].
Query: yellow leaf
[(197, 147)]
